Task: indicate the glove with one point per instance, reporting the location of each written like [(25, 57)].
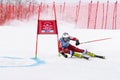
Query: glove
[(77, 42), (64, 55)]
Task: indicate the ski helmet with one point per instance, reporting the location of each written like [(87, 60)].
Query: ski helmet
[(65, 36)]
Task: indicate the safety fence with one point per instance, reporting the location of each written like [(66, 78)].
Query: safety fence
[(18, 11), (91, 15)]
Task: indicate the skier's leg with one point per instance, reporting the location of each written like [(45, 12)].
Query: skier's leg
[(78, 55), (94, 55), (84, 52), (90, 54), (75, 49), (77, 52)]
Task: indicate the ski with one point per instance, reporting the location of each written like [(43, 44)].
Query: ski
[(98, 56), (87, 58)]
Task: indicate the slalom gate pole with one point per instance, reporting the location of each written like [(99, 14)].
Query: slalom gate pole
[(54, 9), (95, 40)]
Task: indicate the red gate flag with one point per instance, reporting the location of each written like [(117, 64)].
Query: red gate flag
[(47, 27)]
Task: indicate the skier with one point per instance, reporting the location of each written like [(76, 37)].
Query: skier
[(66, 48)]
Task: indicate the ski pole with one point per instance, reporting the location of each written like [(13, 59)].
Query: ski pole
[(95, 40)]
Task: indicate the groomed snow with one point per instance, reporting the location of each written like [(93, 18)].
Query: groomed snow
[(18, 39)]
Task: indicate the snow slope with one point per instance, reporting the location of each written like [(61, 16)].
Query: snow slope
[(18, 39)]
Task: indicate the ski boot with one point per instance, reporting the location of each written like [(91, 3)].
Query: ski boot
[(90, 54), (80, 56), (94, 55)]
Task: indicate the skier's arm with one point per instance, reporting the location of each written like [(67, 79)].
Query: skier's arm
[(61, 50), (75, 39)]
